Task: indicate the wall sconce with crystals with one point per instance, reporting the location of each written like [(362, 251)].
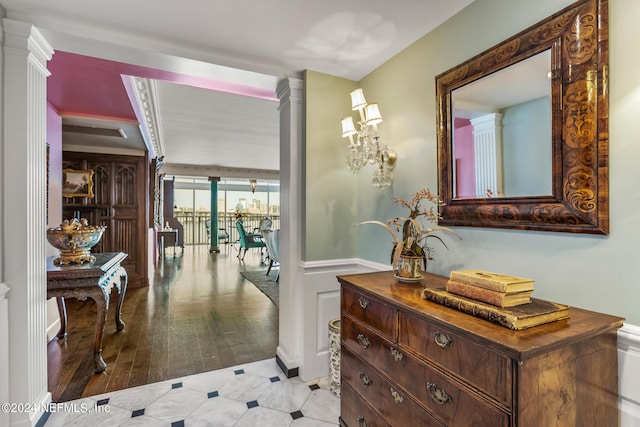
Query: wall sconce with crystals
[(252, 185), (364, 143)]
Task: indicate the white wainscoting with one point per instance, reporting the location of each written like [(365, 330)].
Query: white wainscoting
[(321, 295), (629, 374)]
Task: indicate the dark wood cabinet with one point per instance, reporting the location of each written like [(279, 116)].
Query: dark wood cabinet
[(408, 361), (120, 187)]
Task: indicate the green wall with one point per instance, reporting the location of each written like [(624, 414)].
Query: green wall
[(526, 148), (593, 272), (330, 188)]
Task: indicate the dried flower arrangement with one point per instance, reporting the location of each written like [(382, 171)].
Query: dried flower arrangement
[(413, 232)]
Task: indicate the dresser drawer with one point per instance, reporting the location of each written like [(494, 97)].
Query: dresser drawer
[(415, 375), (355, 412), (486, 369), (375, 313), (449, 401), (365, 343), (391, 401)]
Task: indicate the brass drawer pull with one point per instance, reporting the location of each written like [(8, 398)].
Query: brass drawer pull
[(438, 395), (364, 342), (362, 422), (366, 381), (364, 303), (397, 397), (443, 340), (397, 356)]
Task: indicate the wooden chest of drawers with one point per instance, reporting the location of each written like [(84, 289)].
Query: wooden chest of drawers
[(410, 362)]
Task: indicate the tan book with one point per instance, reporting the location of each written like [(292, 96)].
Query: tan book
[(523, 316), (493, 281), (499, 299)]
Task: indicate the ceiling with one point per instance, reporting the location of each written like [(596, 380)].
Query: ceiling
[(209, 69)]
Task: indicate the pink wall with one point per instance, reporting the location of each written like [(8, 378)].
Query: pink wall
[(54, 139), (464, 156), (86, 86)]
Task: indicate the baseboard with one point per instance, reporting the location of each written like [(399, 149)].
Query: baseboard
[(35, 418), (289, 373), (43, 419)]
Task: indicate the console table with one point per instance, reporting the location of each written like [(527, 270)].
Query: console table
[(95, 281), (171, 234)]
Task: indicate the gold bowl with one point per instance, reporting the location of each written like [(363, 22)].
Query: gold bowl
[(74, 239)]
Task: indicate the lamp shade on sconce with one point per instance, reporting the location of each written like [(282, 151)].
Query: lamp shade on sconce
[(348, 128), (372, 114), (357, 100), (365, 146)]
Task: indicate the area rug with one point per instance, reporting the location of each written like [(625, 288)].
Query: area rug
[(267, 284)]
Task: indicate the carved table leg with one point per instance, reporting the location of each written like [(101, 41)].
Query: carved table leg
[(122, 289), (62, 311), (101, 299)]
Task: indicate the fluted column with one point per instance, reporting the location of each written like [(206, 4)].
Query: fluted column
[(26, 53), (289, 93), (487, 143)]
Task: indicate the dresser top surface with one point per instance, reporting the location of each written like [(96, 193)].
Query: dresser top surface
[(519, 344)]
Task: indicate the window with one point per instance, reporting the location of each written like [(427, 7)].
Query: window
[(193, 205)]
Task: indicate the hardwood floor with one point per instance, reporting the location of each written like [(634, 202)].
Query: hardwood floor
[(199, 314)]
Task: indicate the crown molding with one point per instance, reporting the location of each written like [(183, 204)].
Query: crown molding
[(146, 98)]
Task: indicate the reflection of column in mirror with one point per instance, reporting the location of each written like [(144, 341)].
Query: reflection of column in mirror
[(487, 142)]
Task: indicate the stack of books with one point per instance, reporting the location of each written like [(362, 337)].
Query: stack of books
[(496, 289), (498, 298)]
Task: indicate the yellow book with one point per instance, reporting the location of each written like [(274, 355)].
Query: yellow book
[(499, 299), (537, 312), (492, 281)]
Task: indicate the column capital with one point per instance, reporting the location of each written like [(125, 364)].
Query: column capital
[(25, 37)]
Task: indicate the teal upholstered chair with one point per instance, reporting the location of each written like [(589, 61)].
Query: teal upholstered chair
[(248, 240), (222, 232)]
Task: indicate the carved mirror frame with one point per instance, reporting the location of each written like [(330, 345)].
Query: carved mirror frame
[(579, 203)]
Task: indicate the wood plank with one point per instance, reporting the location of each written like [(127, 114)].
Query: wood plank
[(206, 317)]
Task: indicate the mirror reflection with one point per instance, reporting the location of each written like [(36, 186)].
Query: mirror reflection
[(502, 132)]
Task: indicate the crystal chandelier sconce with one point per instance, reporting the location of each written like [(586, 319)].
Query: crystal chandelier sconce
[(364, 143)]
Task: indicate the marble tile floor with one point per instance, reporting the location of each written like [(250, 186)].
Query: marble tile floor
[(248, 395)]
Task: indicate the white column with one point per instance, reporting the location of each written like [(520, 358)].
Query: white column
[(289, 93), (26, 53), (4, 352), (487, 145)]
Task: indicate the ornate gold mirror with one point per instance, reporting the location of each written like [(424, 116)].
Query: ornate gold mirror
[(523, 129)]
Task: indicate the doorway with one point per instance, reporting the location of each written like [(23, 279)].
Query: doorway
[(290, 93)]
